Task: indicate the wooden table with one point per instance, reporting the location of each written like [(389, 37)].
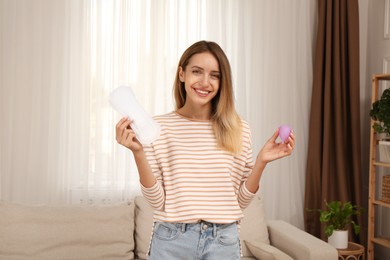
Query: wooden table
[(352, 252)]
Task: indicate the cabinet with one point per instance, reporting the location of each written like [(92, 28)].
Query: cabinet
[(373, 201)]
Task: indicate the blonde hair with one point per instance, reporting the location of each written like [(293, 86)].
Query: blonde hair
[(226, 122)]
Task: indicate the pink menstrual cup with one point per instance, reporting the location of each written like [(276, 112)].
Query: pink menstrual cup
[(284, 132)]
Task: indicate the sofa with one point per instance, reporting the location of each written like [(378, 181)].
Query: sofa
[(123, 231)]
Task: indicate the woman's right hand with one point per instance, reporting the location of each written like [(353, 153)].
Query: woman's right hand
[(126, 136)]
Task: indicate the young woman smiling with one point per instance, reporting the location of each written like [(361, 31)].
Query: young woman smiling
[(199, 175)]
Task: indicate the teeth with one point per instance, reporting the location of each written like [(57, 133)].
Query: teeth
[(202, 91)]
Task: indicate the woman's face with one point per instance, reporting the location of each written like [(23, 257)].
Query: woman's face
[(201, 78)]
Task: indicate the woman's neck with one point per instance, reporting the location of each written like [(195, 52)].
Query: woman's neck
[(195, 112)]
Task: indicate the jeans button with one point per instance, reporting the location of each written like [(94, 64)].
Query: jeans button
[(205, 227)]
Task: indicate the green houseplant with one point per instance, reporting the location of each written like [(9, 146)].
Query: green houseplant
[(338, 216), (380, 112)]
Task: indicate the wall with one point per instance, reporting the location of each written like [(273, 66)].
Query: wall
[(374, 59)]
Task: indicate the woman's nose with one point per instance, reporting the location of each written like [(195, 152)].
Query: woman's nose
[(205, 80)]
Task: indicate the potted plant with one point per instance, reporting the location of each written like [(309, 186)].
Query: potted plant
[(337, 218), (380, 113)]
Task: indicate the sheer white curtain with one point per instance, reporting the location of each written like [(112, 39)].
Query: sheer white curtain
[(44, 104), (60, 59)]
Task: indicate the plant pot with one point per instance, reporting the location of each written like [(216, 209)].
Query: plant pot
[(384, 151), (339, 239)]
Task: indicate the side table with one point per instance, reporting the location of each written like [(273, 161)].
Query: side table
[(352, 252)]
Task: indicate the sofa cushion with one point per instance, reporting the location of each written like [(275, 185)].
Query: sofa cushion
[(266, 252), (143, 227), (66, 232), (254, 225)]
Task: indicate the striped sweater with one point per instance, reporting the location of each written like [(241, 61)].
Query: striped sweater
[(196, 180)]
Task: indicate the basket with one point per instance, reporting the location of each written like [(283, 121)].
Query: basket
[(386, 189)]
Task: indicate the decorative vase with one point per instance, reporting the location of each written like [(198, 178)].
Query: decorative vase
[(384, 151), (339, 239)]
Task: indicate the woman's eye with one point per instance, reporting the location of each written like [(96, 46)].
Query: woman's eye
[(196, 72), (215, 76)]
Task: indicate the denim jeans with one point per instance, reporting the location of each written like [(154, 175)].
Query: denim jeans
[(200, 241)]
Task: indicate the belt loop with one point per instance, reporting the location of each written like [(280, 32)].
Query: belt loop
[(183, 227), (214, 230)]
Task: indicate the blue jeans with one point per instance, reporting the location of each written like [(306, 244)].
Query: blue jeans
[(199, 241)]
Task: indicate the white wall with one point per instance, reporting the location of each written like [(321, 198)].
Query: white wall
[(374, 50)]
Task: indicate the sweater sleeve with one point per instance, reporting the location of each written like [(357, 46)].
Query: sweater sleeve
[(244, 195), (155, 195)]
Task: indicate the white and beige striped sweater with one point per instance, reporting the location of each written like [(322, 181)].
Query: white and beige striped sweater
[(196, 180)]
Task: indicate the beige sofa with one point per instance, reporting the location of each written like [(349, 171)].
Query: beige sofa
[(122, 231)]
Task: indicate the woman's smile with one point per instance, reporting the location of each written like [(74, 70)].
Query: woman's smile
[(201, 92)]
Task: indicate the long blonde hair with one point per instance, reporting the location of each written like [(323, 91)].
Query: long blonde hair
[(226, 122)]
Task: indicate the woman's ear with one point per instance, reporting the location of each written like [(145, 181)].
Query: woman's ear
[(181, 74)]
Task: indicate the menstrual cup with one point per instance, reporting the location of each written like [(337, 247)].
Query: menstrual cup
[(145, 128), (284, 132)]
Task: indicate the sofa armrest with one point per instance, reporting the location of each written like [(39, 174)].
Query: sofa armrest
[(297, 243)]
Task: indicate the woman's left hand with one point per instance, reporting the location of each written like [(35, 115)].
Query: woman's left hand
[(272, 150)]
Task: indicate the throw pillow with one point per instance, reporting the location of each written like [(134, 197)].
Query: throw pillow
[(254, 225), (66, 232), (143, 227), (266, 252)]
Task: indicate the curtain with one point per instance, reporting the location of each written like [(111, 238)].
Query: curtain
[(333, 162), (43, 104), (59, 60)]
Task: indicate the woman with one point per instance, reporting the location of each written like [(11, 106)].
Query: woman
[(199, 175)]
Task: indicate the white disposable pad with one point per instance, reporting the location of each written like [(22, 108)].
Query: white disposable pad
[(145, 128)]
